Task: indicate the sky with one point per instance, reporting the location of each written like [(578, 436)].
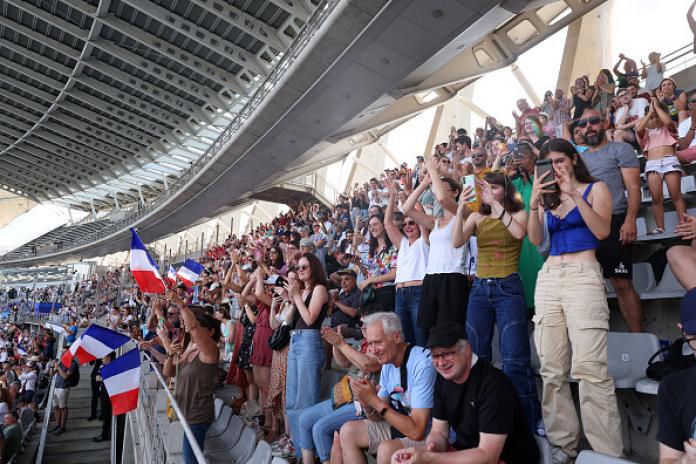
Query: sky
[(632, 32)]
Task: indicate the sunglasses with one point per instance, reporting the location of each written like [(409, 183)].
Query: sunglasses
[(591, 121), (693, 100), (303, 267), (409, 223)]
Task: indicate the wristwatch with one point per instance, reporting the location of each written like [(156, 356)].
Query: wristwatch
[(383, 411)]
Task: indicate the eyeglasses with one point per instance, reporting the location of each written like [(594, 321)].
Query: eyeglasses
[(591, 121), (409, 223), (446, 355), (693, 100), (303, 267)]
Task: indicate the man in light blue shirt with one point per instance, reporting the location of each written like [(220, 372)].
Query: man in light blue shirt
[(398, 409)]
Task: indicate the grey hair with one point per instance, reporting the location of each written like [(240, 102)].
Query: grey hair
[(390, 322), (461, 344)]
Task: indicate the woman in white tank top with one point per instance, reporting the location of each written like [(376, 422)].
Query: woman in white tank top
[(445, 289), (412, 262)]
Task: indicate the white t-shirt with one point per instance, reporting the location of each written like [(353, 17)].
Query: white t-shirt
[(412, 260), (684, 128), (637, 111)]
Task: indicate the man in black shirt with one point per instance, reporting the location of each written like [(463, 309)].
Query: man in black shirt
[(676, 402), (478, 402)]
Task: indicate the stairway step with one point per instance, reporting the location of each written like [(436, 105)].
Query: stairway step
[(81, 444), (95, 457)]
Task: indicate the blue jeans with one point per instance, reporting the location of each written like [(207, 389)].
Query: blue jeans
[(199, 431), (303, 380), (501, 302), (318, 424), (406, 307)]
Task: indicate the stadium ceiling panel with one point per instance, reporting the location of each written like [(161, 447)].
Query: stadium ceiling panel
[(108, 100)]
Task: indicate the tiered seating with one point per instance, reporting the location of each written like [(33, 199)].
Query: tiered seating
[(646, 286), (50, 241)]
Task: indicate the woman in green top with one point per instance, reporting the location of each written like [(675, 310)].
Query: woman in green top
[(522, 164), (496, 295)]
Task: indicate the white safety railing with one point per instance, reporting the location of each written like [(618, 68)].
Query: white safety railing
[(48, 409)]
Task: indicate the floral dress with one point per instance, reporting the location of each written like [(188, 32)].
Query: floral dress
[(244, 359), (382, 264)]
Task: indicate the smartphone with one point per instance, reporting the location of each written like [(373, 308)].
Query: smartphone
[(544, 166), (175, 334), (470, 180)]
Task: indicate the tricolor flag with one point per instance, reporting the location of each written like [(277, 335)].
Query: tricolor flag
[(122, 380), (95, 343), (171, 275), (189, 272), (143, 267)]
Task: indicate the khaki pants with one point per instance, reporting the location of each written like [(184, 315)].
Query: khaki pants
[(571, 325)]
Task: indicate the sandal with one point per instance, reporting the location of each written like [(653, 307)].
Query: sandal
[(657, 231)]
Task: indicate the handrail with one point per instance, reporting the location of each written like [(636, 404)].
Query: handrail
[(47, 411), (179, 413), (296, 47)]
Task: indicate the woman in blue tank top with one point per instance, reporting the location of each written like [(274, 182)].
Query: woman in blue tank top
[(572, 315)]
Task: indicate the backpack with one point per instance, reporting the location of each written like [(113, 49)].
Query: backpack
[(673, 361), (74, 379)]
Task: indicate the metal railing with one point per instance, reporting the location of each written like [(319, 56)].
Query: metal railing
[(47, 411), (143, 429), (318, 184), (303, 39)]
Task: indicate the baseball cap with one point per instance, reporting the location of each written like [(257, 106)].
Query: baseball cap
[(348, 271), (446, 335), (688, 312)]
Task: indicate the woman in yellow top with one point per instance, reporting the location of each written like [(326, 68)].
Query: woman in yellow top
[(496, 295)]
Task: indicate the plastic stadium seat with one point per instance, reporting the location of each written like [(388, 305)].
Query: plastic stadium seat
[(628, 356), (668, 287), (277, 460), (228, 438), (262, 454), (239, 453), (161, 402), (219, 403), (592, 457), (218, 427), (228, 393), (647, 386), (544, 449)]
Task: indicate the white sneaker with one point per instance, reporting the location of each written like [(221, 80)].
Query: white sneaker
[(558, 456)]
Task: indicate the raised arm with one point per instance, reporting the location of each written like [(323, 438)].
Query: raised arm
[(597, 216), (443, 197), (410, 210), (392, 229), (464, 221), (320, 296), (209, 350)]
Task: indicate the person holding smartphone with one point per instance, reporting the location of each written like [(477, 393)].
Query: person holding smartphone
[(572, 314)]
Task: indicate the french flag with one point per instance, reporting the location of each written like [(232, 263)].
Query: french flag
[(143, 267), (171, 275), (189, 272), (95, 343), (122, 380)]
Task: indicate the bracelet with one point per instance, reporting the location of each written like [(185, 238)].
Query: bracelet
[(534, 209), (501, 215), (508, 224)]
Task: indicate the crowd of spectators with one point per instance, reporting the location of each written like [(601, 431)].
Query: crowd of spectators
[(402, 282)]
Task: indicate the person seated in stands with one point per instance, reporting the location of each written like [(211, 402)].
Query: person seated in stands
[(676, 402), (12, 434), (657, 135), (398, 411), (318, 423), (478, 403)]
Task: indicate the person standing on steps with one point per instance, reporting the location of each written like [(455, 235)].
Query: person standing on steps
[(95, 391), (66, 378), (104, 401)]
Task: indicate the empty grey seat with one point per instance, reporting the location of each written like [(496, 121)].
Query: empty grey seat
[(628, 355), (239, 453), (229, 438), (262, 454), (592, 457), (218, 427), (219, 403), (174, 442), (669, 287), (647, 386)]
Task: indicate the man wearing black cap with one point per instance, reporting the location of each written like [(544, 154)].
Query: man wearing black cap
[(478, 402), (676, 401)]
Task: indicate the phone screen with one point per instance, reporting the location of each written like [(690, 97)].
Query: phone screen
[(544, 166), (470, 180)]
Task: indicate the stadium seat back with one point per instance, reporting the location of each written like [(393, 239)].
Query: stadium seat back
[(244, 447), (221, 423), (628, 355), (175, 438), (262, 454), (643, 278), (219, 403)]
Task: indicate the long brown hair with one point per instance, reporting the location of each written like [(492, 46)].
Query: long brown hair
[(512, 202), (580, 171), (316, 270)]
